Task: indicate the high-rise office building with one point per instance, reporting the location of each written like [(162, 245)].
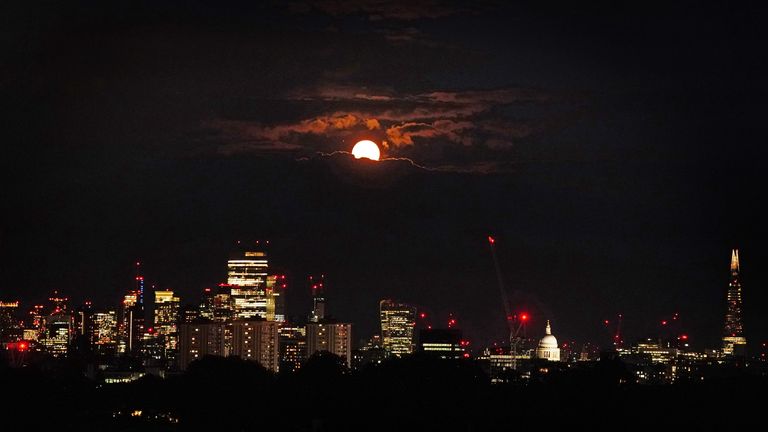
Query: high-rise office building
[(10, 325), (444, 343), (734, 342), (206, 309), (132, 320), (276, 286), (222, 304), (105, 332), (332, 337), (256, 340), (247, 279), (190, 314), (397, 324), (35, 323), (166, 322), (317, 287), (59, 331), (57, 327), (83, 337)]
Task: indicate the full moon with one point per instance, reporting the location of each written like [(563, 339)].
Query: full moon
[(366, 149)]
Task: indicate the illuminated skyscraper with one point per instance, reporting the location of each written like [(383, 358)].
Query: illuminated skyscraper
[(276, 286), (206, 310), (10, 325), (734, 341), (247, 276), (83, 337), (57, 327), (222, 304), (132, 322), (316, 284), (105, 332), (166, 322), (330, 336), (397, 324)]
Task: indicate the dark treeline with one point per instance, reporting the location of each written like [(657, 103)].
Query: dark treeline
[(414, 393)]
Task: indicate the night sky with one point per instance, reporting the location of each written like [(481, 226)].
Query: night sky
[(615, 154)]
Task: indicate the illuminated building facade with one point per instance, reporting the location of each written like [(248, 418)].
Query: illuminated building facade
[(105, 332), (370, 352), (132, 320), (222, 304), (59, 331), (247, 278), (332, 337), (548, 348), (83, 337), (206, 309), (35, 323), (293, 347), (256, 340), (652, 361), (444, 343), (166, 322), (200, 339), (189, 314), (57, 328), (276, 286), (10, 325), (397, 325), (734, 342), (500, 363)]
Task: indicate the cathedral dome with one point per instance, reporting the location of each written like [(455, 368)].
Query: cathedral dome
[(548, 348)]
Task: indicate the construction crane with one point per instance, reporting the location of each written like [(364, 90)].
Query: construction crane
[(511, 319), (616, 334)]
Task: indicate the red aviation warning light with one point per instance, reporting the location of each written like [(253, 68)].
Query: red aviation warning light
[(524, 317), (491, 240)]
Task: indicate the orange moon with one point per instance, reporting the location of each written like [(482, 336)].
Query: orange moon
[(366, 149)]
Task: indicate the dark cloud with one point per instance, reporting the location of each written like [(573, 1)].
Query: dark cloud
[(376, 10), (329, 117)]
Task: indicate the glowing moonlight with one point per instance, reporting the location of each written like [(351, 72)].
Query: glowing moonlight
[(366, 149)]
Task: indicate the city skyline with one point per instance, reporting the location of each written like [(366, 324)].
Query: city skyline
[(667, 327)]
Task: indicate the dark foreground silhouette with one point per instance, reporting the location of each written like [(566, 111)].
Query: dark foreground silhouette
[(415, 393)]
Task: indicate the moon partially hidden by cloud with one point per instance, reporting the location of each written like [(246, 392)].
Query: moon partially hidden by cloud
[(366, 149)]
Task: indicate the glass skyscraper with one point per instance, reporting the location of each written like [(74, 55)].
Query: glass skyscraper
[(397, 325), (734, 341)]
